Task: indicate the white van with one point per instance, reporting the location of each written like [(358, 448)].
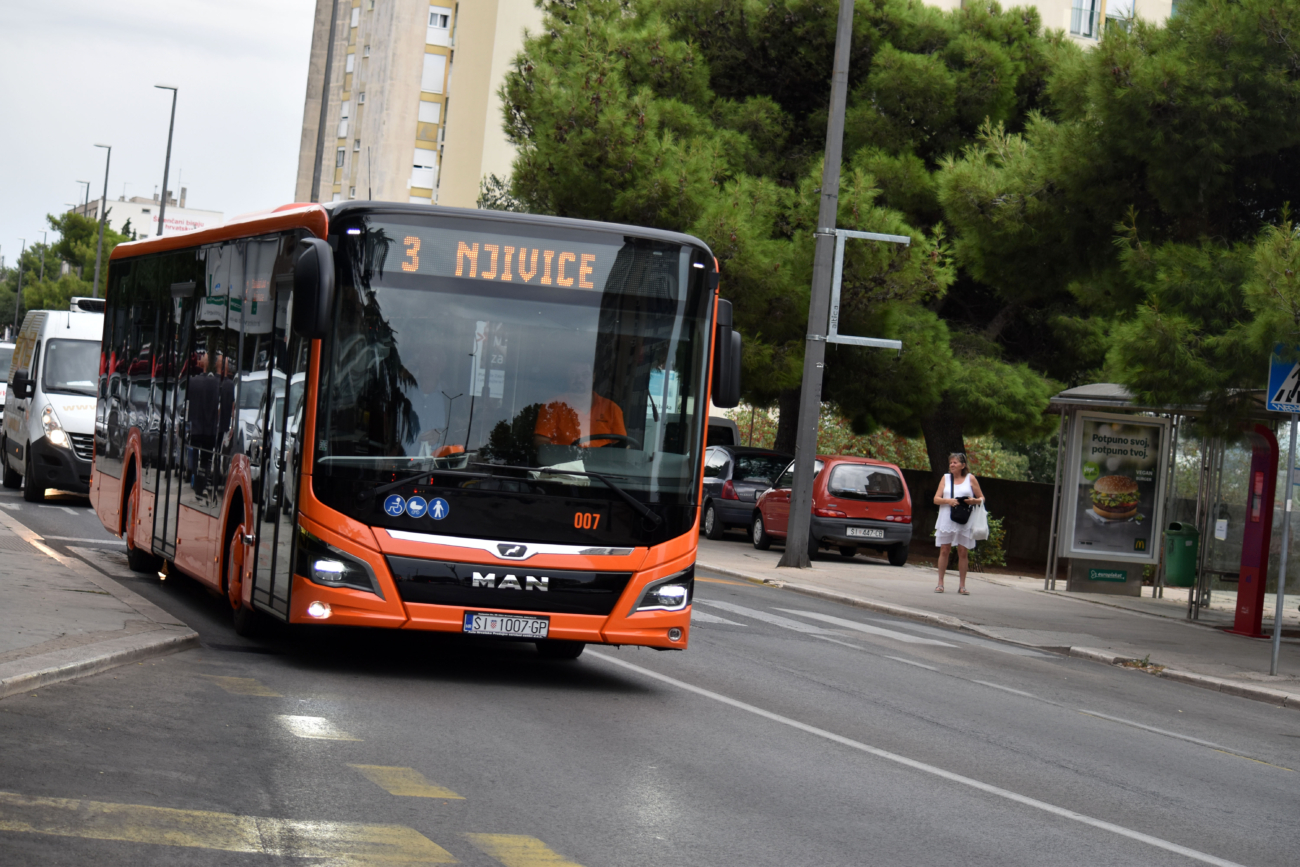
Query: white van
[(6, 356), (49, 414)]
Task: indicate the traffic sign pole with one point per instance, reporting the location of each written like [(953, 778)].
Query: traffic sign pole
[(1286, 538)]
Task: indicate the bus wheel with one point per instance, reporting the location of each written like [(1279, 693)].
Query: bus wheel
[(556, 648), (138, 560)]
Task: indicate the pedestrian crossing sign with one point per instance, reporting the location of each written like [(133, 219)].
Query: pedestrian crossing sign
[(1284, 381)]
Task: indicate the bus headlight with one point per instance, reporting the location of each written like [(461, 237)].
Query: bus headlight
[(668, 594), (54, 431), (326, 565)]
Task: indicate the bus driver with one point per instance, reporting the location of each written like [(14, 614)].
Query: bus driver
[(579, 413)]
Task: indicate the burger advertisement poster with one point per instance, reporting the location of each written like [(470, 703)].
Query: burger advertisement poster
[(1118, 464)]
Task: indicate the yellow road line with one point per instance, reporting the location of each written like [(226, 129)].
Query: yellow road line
[(343, 843), (720, 581), (314, 727), (406, 782), (516, 850), (242, 686)]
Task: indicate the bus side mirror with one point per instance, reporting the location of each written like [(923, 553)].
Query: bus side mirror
[(725, 390), (313, 288)]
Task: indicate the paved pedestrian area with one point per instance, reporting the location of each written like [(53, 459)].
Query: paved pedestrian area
[(1018, 609)]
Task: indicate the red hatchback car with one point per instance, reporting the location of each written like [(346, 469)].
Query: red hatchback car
[(857, 503)]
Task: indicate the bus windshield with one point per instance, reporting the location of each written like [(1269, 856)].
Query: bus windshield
[(546, 352)]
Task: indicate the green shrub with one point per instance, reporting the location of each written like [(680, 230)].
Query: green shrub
[(991, 551)]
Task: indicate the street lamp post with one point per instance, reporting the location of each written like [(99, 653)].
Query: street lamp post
[(103, 207), (167, 164), (85, 205), (43, 246), (18, 298)]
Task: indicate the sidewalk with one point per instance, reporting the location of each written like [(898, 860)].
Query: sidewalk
[(1112, 629), (60, 618)]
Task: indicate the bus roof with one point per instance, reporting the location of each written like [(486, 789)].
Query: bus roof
[(309, 216), (315, 218)]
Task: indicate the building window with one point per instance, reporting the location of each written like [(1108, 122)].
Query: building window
[(356, 15), (371, 7), (365, 52), (435, 73), (338, 157), (338, 197), (424, 170), (351, 63), (430, 112), (352, 192), (1083, 18), (356, 146), (345, 110), (361, 100), (439, 26)]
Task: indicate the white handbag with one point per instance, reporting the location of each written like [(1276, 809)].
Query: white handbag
[(979, 522)]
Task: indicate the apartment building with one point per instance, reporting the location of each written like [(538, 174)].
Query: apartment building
[(142, 214), (380, 121), (1084, 20)]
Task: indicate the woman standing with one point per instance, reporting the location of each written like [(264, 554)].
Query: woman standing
[(957, 487)]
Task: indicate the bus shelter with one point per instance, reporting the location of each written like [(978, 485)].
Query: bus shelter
[(1127, 472)]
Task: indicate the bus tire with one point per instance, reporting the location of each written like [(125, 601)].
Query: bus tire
[(32, 491), (558, 648), (138, 559), (758, 533), (712, 524)]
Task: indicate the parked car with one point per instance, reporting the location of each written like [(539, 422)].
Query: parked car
[(734, 476), (857, 503)]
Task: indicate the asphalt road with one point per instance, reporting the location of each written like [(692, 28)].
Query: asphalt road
[(793, 731)]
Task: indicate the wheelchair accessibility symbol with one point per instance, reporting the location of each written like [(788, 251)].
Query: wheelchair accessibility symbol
[(438, 508), (394, 506)]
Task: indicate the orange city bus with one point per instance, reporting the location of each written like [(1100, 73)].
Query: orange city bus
[(417, 417)]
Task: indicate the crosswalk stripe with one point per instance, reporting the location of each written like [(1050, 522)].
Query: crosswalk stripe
[(314, 728), (405, 782), (516, 850), (705, 617), (342, 843), (766, 617), (242, 686), (870, 630)]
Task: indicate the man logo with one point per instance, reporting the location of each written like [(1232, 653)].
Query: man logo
[(513, 552), (510, 582)]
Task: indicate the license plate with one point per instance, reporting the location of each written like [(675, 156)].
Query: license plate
[(509, 625), (867, 532)]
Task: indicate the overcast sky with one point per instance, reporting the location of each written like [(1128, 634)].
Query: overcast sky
[(77, 72)]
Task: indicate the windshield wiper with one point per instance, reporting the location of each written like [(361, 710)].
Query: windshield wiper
[(640, 507), (382, 489)]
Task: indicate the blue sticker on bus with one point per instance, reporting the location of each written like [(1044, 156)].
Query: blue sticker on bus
[(394, 506), (438, 508), (416, 506)]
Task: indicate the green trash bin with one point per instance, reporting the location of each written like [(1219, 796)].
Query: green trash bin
[(1182, 543)]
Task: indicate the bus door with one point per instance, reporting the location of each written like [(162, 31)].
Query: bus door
[(278, 452), (175, 363)]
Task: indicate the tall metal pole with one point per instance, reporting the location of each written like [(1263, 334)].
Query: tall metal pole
[(1049, 580), (324, 102), (85, 206), (103, 209), (18, 298), (44, 244), (1286, 538), (167, 163), (819, 304)]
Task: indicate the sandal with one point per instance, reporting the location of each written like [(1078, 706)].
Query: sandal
[(938, 590), (964, 592)]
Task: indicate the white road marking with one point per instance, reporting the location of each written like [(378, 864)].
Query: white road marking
[(912, 662), (933, 770), (870, 630), (1138, 725), (109, 541), (67, 509), (705, 617), (766, 617), (314, 727), (13, 507), (1005, 688), (837, 641)]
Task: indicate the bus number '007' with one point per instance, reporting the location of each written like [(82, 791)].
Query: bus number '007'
[(586, 520)]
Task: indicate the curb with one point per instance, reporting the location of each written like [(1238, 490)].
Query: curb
[(61, 665), (1274, 697)]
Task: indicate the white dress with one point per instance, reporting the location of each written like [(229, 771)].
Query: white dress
[(947, 531)]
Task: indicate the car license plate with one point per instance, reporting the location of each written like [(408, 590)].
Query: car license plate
[(867, 532), (509, 625)]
